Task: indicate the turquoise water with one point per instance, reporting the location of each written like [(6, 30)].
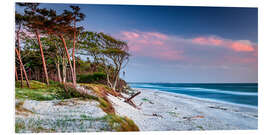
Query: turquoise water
[(238, 93)]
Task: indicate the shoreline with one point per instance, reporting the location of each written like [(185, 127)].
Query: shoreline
[(197, 98), (166, 111)]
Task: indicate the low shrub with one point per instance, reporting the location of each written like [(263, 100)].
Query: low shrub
[(91, 78), (41, 92)]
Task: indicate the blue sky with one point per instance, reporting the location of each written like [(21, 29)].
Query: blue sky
[(181, 44)]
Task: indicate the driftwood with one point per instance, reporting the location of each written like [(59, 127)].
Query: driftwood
[(193, 117), (129, 101), (218, 107)]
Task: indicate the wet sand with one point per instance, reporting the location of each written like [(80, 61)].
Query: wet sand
[(164, 111)]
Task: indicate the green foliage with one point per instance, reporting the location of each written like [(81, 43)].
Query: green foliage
[(41, 92), (145, 99), (91, 78), (200, 127), (174, 114), (39, 95), (67, 92), (106, 106), (19, 125), (34, 84)]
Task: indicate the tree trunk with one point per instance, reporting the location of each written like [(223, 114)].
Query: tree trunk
[(116, 79), (16, 75), (18, 52), (69, 61), (22, 67), (58, 71), (43, 59), (115, 83), (21, 75), (73, 53), (64, 68), (29, 74), (108, 80)]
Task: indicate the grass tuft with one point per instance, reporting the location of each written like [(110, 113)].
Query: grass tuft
[(21, 110), (121, 123), (105, 105), (19, 126)]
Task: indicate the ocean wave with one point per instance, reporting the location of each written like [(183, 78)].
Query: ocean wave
[(203, 98), (224, 92), (197, 89)]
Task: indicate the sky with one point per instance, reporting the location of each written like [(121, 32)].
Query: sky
[(180, 44)]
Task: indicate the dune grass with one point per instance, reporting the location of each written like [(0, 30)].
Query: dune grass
[(102, 91), (116, 122), (41, 92), (121, 123)]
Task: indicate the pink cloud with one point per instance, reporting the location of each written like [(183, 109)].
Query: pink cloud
[(152, 44), (207, 41), (157, 35), (238, 45), (242, 47), (175, 48), (130, 35)]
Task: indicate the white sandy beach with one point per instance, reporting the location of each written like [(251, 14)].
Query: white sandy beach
[(159, 111), (163, 111)]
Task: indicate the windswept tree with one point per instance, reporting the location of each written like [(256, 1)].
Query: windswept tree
[(115, 56), (57, 55), (19, 20), (110, 52), (60, 26), (35, 21), (90, 45), (76, 16), (62, 40)]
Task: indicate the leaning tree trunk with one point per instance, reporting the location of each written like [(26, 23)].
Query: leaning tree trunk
[(73, 54), (58, 71), (116, 78), (18, 52), (16, 74), (64, 70), (115, 83), (69, 61), (22, 67), (108, 81), (21, 70), (43, 59)]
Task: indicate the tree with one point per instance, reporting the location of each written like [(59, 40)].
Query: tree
[(56, 54), (77, 16), (112, 53), (35, 21), (60, 25), (56, 36), (89, 44), (19, 20), (115, 55)]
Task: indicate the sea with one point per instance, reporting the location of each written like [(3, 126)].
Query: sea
[(236, 93)]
